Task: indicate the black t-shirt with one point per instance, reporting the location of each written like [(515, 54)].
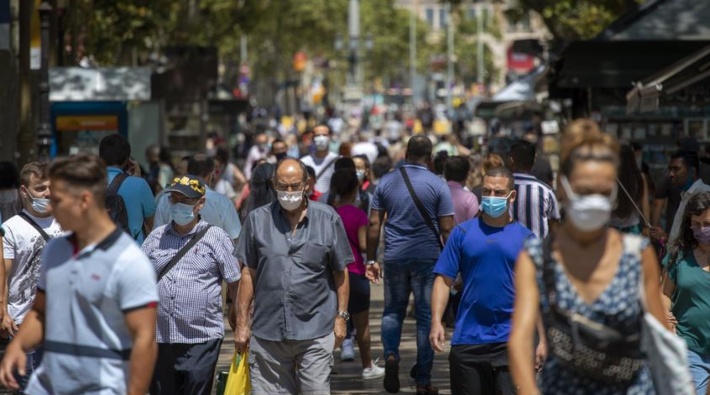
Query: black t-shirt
[(667, 191)]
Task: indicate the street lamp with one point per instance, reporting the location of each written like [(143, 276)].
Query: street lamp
[(44, 132)]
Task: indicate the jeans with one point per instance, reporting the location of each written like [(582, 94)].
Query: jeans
[(402, 277), (700, 370)]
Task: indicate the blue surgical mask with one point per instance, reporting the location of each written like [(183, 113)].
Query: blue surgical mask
[(40, 205), (182, 213), (495, 206)]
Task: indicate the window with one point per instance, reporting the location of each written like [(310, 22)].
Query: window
[(471, 13), (430, 16), (443, 18)]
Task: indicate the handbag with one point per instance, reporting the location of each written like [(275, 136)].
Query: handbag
[(238, 382), (667, 353), (587, 347)]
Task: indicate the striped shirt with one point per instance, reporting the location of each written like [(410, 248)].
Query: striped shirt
[(190, 309), (534, 204)]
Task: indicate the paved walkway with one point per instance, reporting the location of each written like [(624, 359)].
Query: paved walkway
[(347, 376)]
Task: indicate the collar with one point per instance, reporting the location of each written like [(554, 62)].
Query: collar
[(695, 186), (524, 175), (198, 226), (104, 244), (454, 184), (114, 168), (281, 213), (415, 165)]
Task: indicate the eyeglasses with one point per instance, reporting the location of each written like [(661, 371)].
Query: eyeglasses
[(288, 187), (183, 199)]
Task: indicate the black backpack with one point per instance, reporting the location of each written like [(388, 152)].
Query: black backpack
[(115, 205)]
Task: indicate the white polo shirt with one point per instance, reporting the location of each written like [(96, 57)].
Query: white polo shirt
[(87, 345)]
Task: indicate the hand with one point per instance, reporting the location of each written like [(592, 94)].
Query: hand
[(373, 273), (657, 233), (340, 330), (437, 336), (7, 326), (540, 355), (672, 321), (15, 360), (133, 168), (241, 338)]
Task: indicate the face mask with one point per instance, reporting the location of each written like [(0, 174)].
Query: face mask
[(281, 156), (321, 142), (702, 235), (182, 213), (588, 213), (263, 147), (495, 206), (39, 205), (688, 184), (290, 200), (360, 175)]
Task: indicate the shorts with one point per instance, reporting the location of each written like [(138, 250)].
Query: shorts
[(359, 300)]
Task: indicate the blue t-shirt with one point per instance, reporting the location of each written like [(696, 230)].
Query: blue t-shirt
[(406, 233), (485, 256), (140, 203)]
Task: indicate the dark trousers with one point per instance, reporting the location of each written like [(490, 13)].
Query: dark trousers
[(480, 370), (185, 369)]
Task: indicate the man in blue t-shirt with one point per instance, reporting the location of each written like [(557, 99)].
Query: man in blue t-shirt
[(483, 250)]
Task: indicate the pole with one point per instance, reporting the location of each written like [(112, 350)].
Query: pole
[(450, 61), (480, 67), (413, 52), (44, 132), (25, 138), (243, 49), (354, 42)]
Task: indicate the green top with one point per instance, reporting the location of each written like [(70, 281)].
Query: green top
[(691, 301)]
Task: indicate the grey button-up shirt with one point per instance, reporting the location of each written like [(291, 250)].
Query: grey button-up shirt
[(294, 292)]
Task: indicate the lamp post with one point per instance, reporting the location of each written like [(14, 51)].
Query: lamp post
[(354, 80), (44, 132)]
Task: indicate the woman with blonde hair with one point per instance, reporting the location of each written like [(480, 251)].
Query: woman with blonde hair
[(584, 280)]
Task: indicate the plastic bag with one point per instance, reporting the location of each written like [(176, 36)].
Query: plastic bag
[(238, 380)]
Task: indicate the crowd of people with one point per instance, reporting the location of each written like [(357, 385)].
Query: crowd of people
[(114, 275)]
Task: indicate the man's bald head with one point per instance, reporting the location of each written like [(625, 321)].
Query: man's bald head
[(290, 169)]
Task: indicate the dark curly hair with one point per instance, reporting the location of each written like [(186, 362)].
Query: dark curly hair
[(697, 205)]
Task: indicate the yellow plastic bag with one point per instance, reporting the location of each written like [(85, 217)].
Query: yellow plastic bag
[(238, 380)]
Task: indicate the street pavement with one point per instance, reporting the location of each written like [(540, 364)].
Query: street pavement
[(347, 376)]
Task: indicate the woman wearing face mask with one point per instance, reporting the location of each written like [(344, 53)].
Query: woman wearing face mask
[(686, 289), (585, 280)]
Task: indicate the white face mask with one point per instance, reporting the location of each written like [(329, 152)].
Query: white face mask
[(322, 142), (588, 212), (290, 200), (360, 175)]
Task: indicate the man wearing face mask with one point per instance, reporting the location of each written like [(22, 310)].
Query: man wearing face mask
[(26, 235), (483, 251), (192, 258), (279, 151), (259, 151), (683, 174), (295, 253), (322, 160)]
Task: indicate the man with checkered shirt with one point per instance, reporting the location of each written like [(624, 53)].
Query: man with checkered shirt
[(192, 259)]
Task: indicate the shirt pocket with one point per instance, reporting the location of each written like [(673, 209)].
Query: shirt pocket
[(315, 255)]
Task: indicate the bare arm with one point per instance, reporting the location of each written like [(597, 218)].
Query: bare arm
[(243, 305), (525, 318), (232, 289), (439, 299), (32, 333), (652, 286), (342, 286), (362, 238), (373, 233), (141, 325), (446, 225), (7, 322)]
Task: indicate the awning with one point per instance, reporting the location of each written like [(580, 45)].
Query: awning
[(522, 89)]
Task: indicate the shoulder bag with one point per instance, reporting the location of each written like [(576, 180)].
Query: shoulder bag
[(187, 247), (35, 225), (420, 207)]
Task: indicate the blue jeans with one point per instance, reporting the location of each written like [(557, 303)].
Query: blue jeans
[(700, 370), (402, 277)]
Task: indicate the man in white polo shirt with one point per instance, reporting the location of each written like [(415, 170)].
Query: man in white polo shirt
[(94, 312)]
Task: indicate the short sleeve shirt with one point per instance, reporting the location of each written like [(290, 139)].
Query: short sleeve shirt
[(324, 168), (294, 291), (485, 257), (354, 219), (139, 199), (88, 293), (407, 234)]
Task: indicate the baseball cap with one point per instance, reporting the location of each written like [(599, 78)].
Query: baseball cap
[(190, 186)]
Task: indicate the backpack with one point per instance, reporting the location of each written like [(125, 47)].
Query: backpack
[(115, 205)]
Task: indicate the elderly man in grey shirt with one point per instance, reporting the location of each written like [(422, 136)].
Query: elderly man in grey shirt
[(295, 254)]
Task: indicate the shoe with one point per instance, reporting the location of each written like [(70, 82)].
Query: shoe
[(373, 371), (391, 382), (427, 390), (347, 351)]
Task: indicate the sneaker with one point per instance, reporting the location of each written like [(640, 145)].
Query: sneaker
[(373, 371), (347, 351), (391, 382)]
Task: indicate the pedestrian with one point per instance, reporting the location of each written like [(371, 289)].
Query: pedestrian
[(585, 278), (364, 170), (313, 194), (261, 191), (295, 253), (94, 311), (686, 292), (491, 161), (345, 185), (683, 174), (322, 160), (279, 152), (192, 258), (626, 216), (456, 169), (414, 236), (228, 171), (536, 204), (26, 235), (362, 199), (218, 210), (161, 169), (138, 198), (258, 151), (483, 252)]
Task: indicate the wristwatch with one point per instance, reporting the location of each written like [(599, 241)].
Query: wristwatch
[(344, 315), (370, 262)]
